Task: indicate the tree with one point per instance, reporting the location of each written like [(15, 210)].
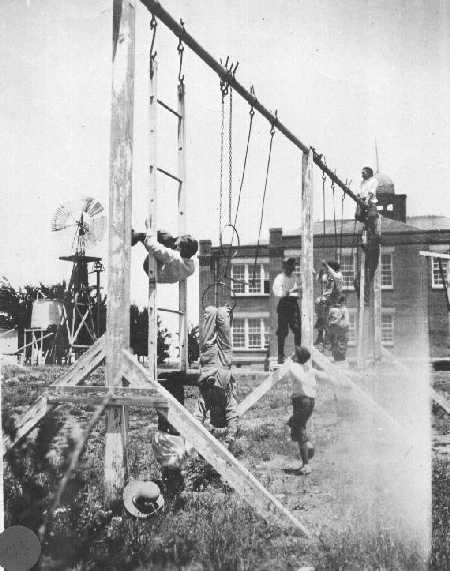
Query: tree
[(139, 335), (193, 344)]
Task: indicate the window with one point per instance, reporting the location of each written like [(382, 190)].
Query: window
[(436, 276), (386, 271), (250, 333), (238, 331), (348, 269), (387, 328), (238, 274), (249, 279)]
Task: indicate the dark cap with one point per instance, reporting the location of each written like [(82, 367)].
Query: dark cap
[(289, 262)]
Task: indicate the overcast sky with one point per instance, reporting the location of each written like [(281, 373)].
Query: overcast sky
[(340, 73)]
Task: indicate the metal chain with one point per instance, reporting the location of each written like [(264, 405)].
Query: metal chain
[(230, 156), (333, 190), (324, 179), (342, 225), (180, 50), (222, 132), (272, 133), (152, 54)]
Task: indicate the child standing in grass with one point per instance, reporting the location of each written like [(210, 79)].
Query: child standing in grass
[(303, 399)]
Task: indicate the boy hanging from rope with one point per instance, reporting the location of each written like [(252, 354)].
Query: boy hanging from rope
[(338, 328), (216, 383), (331, 282)]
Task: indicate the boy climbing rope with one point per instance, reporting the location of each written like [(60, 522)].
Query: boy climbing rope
[(303, 399), (173, 254), (217, 400), (338, 329), (331, 282), (286, 288)]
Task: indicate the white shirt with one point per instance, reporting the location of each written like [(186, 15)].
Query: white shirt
[(369, 187), (282, 284), (171, 266), (303, 382)]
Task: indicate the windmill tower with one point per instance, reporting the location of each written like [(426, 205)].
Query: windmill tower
[(82, 221)]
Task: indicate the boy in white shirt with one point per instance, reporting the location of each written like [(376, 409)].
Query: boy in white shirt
[(286, 288), (173, 254), (303, 399)]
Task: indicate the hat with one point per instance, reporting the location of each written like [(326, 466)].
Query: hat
[(289, 262), (142, 499)]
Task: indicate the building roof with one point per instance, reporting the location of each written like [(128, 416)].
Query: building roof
[(429, 222), (349, 227)]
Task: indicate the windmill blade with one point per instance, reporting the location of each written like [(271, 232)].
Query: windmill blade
[(95, 231), (84, 215)]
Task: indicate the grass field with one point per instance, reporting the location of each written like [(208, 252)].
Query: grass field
[(365, 501)]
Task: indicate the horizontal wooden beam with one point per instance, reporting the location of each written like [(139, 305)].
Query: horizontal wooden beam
[(155, 401), (434, 255), (155, 8), (213, 451)]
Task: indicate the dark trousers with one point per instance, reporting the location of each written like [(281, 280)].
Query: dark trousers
[(288, 317)]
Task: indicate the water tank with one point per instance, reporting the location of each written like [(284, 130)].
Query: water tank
[(46, 312)]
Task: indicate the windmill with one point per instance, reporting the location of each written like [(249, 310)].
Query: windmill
[(83, 223)]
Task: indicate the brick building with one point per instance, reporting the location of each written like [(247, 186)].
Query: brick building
[(413, 301)]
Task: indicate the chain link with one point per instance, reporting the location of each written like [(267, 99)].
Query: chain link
[(230, 156), (180, 50), (152, 54)]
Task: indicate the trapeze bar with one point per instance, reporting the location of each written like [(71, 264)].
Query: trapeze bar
[(170, 175), (177, 311), (168, 108), (157, 10)]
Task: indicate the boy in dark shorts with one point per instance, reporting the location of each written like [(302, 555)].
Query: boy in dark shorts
[(303, 399)]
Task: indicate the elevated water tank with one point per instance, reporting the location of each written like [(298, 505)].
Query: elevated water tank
[(46, 312)]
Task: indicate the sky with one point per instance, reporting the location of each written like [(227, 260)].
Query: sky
[(341, 74)]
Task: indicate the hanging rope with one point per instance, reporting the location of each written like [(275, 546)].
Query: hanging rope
[(224, 91), (272, 133), (324, 178), (230, 155)]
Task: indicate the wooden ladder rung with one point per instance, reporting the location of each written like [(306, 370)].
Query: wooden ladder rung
[(168, 310)]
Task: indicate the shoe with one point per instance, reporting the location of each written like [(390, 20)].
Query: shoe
[(305, 470)]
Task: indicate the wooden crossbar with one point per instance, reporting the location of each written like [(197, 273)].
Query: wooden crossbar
[(428, 254), (213, 451), (87, 363)]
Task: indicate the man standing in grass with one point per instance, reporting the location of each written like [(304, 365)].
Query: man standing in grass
[(303, 399), (286, 288)]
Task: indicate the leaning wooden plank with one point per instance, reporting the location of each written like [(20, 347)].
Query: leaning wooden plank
[(264, 387), (268, 383), (217, 455), (27, 422), (87, 363), (341, 379), (438, 399)]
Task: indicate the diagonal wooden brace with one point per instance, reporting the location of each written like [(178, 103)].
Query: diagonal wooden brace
[(87, 363), (213, 451), (263, 388)]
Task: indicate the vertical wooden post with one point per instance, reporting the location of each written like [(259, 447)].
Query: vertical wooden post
[(119, 247), (307, 303), (377, 305), (361, 317), (152, 211), (182, 288)]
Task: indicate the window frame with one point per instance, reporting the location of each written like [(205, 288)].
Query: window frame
[(264, 329), (391, 256), (263, 277)]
